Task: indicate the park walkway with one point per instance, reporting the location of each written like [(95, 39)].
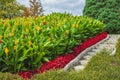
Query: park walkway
[(81, 60)]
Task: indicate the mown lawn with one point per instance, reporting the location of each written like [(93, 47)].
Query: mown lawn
[(101, 67)]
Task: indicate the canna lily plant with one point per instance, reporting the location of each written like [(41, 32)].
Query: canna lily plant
[(26, 43)]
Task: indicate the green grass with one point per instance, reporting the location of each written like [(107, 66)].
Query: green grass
[(101, 67), (9, 76)]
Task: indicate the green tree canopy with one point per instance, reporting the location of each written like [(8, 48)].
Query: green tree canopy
[(106, 11), (10, 9)]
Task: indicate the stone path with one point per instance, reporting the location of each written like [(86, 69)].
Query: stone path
[(80, 62)]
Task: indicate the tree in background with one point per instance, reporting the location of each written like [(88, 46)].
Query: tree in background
[(26, 12), (36, 8), (106, 11), (10, 9)]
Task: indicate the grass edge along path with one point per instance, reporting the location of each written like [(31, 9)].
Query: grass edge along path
[(101, 67)]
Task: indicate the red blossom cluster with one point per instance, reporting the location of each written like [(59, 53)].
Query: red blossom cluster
[(0, 41), (61, 61), (26, 74), (44, 23)]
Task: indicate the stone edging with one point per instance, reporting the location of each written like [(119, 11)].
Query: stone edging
[(75, 60)]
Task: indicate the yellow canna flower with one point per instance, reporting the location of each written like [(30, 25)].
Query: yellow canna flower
[(13, 30), (15, 47), (16, 23), (67, 32), (73, 26), (25, 23), (16, 41), (36, 19), (6, 50), (11, 34), (29, 43), (8, 25), (77, 26), (34, 32), (1, 37), (27, 30), (5, 23), (37, 28)]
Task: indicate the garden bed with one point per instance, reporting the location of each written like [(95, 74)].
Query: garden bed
[(62, 61), (34, 45), (102, 66)]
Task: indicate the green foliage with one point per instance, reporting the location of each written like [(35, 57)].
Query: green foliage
[(118, 48), (105, 11), (9, 76), (28, 42), (10, 9), (101, 67)]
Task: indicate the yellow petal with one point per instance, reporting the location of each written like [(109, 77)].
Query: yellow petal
[(6, 50)]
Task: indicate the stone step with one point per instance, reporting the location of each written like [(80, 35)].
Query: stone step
[(79, 67), (95, 50), (87, 57), (108, 44), (101, 44), (91, 53), (83, 62), (101, 47), (112, 39)]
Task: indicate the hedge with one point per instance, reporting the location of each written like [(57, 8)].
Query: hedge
[(106, 11)]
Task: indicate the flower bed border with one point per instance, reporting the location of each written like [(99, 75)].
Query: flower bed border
[(62, 61), (76, 59)]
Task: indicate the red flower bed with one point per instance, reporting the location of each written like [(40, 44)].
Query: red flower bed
[(61, 61)]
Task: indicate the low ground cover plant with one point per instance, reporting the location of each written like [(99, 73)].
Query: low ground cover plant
[(101, 67), (26, 43)]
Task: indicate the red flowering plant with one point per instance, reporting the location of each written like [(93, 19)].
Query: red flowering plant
[(31, 42), (62, 61)]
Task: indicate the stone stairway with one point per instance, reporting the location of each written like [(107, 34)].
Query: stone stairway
[(80, 62)]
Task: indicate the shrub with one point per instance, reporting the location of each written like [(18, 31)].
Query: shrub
[(9, 76), (26, 43), (106, 11)]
